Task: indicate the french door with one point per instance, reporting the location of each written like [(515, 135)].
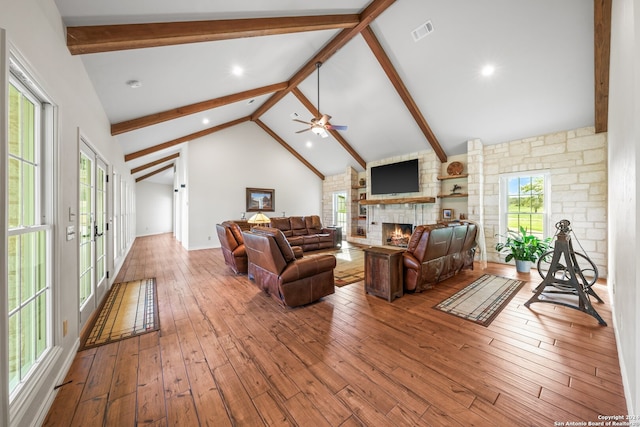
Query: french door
[(92, 222), (340, 210)]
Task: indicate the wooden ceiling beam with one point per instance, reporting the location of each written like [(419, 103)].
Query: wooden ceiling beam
[(186, 138), (315, 113), (398, 84), (153, 119), (162, 169), (108, 38), (156, 163), (602, 54), (371, 12), (297, 155)]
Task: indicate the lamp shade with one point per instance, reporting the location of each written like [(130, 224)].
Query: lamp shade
[(258, 219)]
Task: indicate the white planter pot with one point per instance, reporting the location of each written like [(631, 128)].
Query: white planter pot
[(523, 266)]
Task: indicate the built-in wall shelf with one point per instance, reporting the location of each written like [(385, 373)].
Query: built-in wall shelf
[(399, 201), (446, 196), (441, 178)]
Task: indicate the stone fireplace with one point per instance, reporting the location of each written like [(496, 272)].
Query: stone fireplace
[(395, 234)]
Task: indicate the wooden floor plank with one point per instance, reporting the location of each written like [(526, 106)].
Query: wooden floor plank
[(68, 396), (90, 411), (151, 404), (101, 374), (125, 369), (174, 373), (227, 354), (121, 411), (181, 410), (271, 411), (207, 399), (239, 404)]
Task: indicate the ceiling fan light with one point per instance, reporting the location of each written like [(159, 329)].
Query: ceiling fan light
[(317, 130)]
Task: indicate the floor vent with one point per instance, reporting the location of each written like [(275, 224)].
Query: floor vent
[(422, 31)]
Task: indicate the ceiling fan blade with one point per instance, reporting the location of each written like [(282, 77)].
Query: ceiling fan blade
[(336, 127), (302, 121), (303, 130)]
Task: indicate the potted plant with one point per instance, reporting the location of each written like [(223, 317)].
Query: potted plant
[(525, 248)]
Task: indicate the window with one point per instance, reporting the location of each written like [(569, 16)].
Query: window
[(525, 202), (340, 210), (29, 227)]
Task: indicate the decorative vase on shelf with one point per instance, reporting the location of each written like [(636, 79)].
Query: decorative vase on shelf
[(362, 182)]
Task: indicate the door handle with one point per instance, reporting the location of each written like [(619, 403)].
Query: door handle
[(96, 234)]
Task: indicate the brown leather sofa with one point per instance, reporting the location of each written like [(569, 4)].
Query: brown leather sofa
[(232, 244), (437, 252), (289, 277), (306, 232)]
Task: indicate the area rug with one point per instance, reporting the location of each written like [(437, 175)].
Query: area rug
[(130, 309), (349, 266), (482, 300)]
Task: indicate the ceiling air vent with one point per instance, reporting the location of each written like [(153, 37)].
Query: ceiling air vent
[(422, 31)]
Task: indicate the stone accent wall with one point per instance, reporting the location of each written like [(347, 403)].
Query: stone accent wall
[(577, 163), (416, 214)]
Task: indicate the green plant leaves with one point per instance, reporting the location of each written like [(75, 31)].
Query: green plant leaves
[(523, 246)]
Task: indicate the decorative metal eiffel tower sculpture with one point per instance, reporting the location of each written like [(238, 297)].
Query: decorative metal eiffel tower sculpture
[(566, 277)]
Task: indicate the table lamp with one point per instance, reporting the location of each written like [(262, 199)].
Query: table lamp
[(259, 219)]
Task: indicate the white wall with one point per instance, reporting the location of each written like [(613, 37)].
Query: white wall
[(34, 28), (154, 208), (624, 194), (222, 165)]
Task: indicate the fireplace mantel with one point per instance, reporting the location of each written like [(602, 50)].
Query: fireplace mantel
[(399, 201)]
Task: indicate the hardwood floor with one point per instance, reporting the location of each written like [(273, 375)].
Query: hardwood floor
[(226, 354)]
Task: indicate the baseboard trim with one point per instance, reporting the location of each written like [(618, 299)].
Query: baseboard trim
[(43, 410)]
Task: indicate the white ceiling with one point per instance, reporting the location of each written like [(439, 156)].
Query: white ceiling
[(542, 51)]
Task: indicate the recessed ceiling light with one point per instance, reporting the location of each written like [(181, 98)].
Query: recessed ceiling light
[(134, 84), (237, 70), (309, 144), (488, 70), (205, 121)]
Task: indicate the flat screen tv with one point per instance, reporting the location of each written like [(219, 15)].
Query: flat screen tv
[(400, 177)]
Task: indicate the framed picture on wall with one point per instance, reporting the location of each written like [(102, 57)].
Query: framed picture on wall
[(261, 199), (447, 214)]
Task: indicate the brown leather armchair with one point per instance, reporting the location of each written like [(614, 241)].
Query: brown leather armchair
[(290, 278), (232, 244), (437, 252)]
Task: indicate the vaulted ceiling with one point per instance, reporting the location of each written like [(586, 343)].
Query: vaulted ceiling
[(204, 66)]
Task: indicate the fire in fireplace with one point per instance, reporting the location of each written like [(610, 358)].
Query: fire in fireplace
[(396, 234)]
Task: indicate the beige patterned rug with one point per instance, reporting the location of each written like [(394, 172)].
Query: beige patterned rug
[(349, 266), (130, 309), (482, 300)]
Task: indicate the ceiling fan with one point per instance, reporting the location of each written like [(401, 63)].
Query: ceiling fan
[(320, 125)]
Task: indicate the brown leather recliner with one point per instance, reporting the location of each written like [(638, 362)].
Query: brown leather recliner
[(232, 244), (437, 252), (290, 278)]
